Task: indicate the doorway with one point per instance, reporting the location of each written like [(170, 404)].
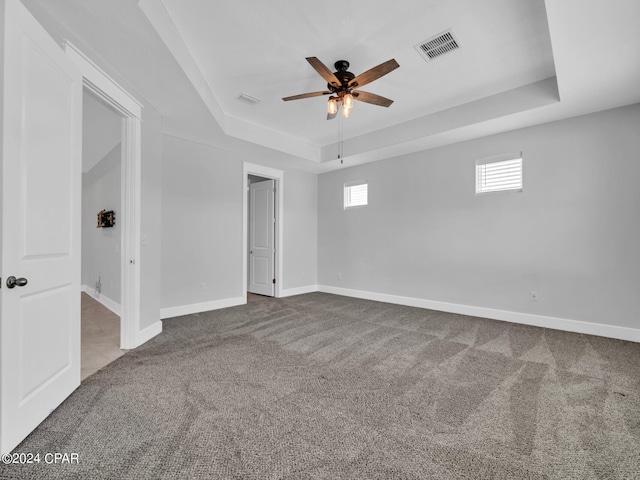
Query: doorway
[(101, 259), (264, 180), (115, 97), (261, 231)]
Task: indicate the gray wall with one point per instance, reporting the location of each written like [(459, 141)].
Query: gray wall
[(300, 229), (202, 190), (572, 235), (101, 246), (202, 224), (152, 216)]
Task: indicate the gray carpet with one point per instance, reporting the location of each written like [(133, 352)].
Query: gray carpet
[(323, 386)]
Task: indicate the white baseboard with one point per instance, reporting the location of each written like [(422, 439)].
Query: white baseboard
[(148, 333), (170, 312), (577, 326), (101, 298), (289, 292)]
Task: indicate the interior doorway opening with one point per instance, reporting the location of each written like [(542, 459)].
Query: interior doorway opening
[(110, 93), (102, 239), (262, 234), (261, 254)]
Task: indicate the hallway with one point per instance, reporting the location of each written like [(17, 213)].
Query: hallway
[(100, 344)]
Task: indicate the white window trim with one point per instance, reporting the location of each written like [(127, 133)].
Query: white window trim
[(353, 184), (497, 159)]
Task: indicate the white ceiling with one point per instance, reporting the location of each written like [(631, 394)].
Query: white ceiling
[(260, 47), (521, 62)]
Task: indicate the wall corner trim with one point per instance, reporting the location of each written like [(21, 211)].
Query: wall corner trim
[(555, 323), (170, 312)]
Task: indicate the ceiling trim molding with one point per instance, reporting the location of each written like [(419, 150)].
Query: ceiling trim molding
[(161, 21), (415, 134), (271, 139), (157, 14)]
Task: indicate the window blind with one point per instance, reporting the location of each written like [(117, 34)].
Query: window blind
[(355, 195), (498, 176)]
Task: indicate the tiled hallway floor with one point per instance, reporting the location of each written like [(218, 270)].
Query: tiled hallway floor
[(100, 343)]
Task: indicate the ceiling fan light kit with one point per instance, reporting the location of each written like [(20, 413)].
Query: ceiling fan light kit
[(347, 100), (344, 83), (332, 106)]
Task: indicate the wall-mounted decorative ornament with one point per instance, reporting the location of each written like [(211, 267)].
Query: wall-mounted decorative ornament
[(106, 219)]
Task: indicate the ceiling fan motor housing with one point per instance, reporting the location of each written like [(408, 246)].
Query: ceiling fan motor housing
[(343, 75)]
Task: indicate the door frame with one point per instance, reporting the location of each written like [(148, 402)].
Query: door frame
[(278, 176), (104, 87)]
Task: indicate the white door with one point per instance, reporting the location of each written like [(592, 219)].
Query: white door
[(261, 237), (41, 180)]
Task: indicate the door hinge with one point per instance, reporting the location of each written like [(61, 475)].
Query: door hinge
[(274, 280)]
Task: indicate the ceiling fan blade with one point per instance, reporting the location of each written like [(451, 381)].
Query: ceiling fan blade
[(306, 95), (372, 98), (324, 71), (374, 73)]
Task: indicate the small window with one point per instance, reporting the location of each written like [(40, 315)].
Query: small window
[(499, 175), (355, 194)]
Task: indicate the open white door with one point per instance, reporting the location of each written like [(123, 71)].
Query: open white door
[(41, 181), (261, 237)]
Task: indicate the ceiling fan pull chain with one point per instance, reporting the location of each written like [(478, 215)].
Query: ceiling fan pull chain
[(340, 133)]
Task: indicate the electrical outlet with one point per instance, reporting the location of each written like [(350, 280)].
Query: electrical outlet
[(533, 296), (202, 286), (339, 276)]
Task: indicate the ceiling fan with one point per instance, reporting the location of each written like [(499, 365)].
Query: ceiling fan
[(342, 85)]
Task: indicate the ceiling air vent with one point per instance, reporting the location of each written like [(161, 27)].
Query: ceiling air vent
[(245, 97), (438, 45)]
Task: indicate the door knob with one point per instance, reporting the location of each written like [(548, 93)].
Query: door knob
[(13, 281)]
